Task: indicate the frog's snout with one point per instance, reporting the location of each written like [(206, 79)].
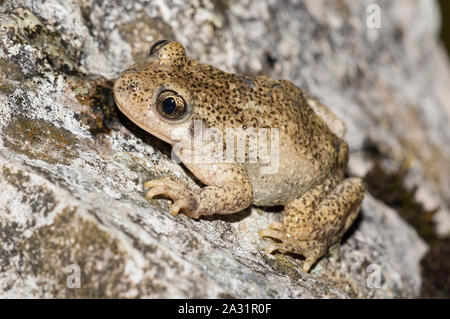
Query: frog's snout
[(127, 84), (125, 87)]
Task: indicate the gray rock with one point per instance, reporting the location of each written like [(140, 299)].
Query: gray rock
[(73, 168)]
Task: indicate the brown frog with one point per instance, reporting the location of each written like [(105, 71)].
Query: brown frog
[(169, 94)]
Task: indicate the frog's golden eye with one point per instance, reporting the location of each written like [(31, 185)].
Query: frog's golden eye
[(171, 105)]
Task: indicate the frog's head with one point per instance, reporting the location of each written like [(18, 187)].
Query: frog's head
[(154, 95)]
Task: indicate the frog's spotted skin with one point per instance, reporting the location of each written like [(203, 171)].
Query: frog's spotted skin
[(320, 204)]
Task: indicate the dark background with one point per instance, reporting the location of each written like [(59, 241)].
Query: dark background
[(445, 31)]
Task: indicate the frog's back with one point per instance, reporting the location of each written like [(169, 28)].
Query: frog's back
[(308, 151)]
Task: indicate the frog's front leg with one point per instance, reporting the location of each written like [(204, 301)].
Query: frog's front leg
[(228, 191), (176, 190), (317, 220)]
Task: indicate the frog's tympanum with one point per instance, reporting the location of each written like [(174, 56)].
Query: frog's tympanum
[(169, 94)]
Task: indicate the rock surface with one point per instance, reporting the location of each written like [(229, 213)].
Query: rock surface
[(73, 168)]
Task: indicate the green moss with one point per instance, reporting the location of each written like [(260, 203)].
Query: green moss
[(27, 29), (9, 233), (37, 197), (10, 70), (80, 242), (221, 6), (72, 240), (16, 179), (390, 188), (97, 94), (436, 271), (283, 265), (41, 140), (6, 88), (9, 73)]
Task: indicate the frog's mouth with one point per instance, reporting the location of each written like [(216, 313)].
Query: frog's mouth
[(143, 123)]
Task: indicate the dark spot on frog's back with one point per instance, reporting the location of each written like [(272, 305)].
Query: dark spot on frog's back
[(248, 82), (337, 145), (132, 86)]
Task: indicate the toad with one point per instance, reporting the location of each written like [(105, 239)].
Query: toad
[(170, 95)]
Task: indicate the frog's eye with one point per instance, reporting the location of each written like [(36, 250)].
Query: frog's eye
[(157, 45), (171, 105)]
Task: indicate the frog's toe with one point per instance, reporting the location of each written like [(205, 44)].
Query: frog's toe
[(164, 182), (308, 263), (188, 205), (311, 257), (276, 226), (183, 199), (271, 233), (274, 247), (165, 186), (313, 251), (162, 190)]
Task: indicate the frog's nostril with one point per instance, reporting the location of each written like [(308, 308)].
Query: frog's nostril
[(124, 86), (133, 86), (128, 83)]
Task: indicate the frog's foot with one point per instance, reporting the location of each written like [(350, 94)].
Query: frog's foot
[(229, 191), (183, 198), (272, 233), (312, 250), (276, 226), (317, 219), (315, 250)]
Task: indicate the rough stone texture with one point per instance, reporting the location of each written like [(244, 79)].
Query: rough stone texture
[(73, 168)]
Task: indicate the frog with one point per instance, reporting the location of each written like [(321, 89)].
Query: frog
[(169, 92)]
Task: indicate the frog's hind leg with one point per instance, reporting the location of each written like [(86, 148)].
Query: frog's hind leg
[(334, 249), (330, 217), (352, 216), (317, 220)]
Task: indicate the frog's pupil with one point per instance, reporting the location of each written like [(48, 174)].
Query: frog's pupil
[(169, 105)]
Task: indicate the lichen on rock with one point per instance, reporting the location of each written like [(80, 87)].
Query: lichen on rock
[(73, 167), (40, 140)]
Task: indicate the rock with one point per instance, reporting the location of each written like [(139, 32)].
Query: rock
[(72, 210)]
